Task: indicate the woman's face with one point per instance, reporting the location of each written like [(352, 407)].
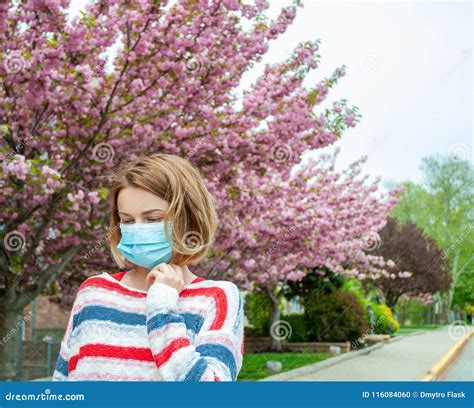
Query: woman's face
[(136, 205)]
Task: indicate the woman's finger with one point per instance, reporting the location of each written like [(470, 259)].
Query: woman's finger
[(152, 275)]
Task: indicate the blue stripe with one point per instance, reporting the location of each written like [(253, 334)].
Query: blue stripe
[(107, 314), (61, 365), (196, 371), (160, 320), (193, 321), (238, 321), (222, 353)]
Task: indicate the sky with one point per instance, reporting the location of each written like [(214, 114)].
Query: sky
[(408, 70)]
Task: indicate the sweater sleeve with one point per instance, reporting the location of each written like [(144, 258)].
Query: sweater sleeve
[(215, 353), (61, 369)]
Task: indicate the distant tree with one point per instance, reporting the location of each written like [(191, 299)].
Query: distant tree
[(419, 267), (464, 292), (443, 207)]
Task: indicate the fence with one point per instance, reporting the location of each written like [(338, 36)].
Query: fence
[(37, 359)]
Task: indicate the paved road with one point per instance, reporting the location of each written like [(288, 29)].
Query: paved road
[(404, 360), (462, 368)]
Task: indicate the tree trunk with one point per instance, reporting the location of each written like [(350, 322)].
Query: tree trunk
[(455, 277), (277, 329), (11, 322)]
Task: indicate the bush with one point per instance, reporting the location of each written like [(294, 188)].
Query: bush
[(257, 307), (336, 316), (355, 286), (299, 331), (384, 322)]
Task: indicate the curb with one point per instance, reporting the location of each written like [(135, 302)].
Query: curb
[(312, 368), (445, 361)]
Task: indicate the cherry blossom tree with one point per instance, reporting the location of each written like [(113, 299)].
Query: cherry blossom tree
[(316, 219)]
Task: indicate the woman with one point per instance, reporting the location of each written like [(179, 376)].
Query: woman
[(158, 321)]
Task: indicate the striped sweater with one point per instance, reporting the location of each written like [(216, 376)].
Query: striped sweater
[(118, 333)]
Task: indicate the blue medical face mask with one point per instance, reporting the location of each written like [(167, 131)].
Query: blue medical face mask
[(145, 244)]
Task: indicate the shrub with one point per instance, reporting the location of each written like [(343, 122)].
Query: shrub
[(336, 316), (355, 286), (299, 331), (257, 307), (384, 321)]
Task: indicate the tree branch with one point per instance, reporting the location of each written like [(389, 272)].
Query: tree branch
[(50, 274)]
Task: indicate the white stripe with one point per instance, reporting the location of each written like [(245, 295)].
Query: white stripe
[(109, 333), (101, 296), (123, 370)]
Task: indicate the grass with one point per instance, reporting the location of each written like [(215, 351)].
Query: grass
[(255, 364), (403, 331), (423, 326)]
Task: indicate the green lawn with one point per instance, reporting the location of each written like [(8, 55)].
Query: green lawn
[(403, 331), (423, 326), (414, 328), (254, 365)]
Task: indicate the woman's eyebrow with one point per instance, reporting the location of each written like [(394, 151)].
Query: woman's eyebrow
[(150, 211), (144, 212)]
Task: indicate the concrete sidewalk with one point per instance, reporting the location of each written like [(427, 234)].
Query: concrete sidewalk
[(404, 360)]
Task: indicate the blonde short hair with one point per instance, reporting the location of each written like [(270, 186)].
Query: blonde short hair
[(191, 209)]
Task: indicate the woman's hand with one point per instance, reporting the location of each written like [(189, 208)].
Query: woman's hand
[(167, 274)]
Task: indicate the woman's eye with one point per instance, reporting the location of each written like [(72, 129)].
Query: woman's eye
[(126, 222), (154, 220)]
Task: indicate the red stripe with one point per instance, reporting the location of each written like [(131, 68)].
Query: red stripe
[(104, 283), (118, 275), (164, 355), (102, 350), (221, 303)]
